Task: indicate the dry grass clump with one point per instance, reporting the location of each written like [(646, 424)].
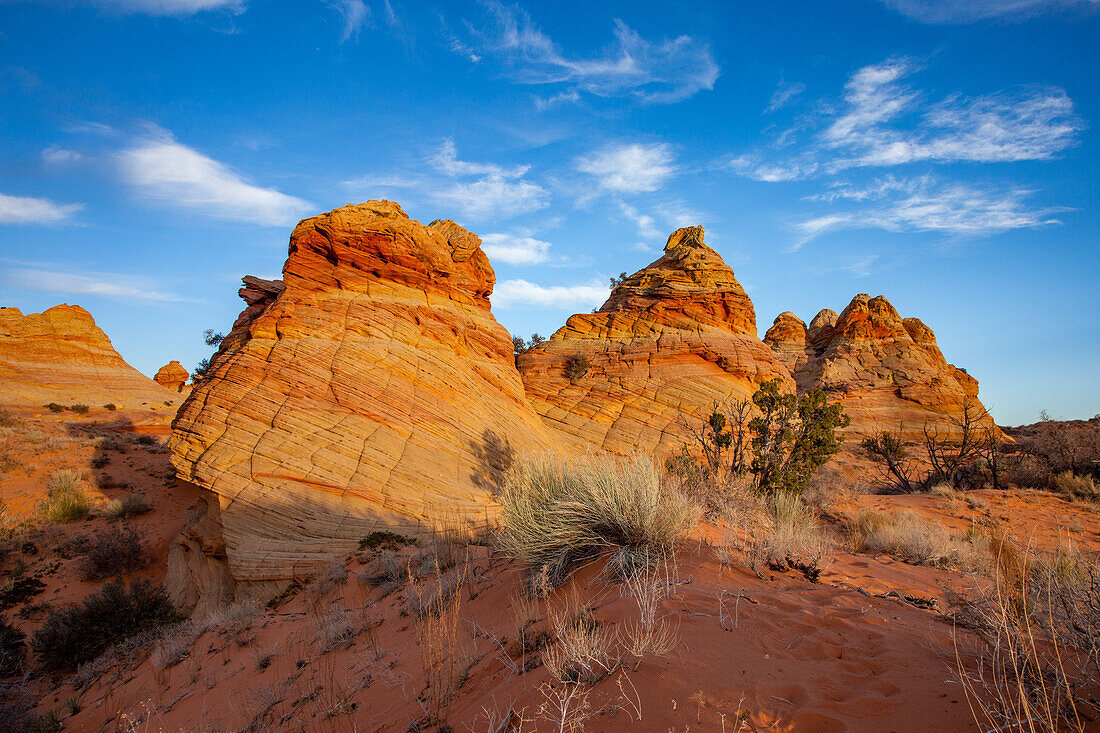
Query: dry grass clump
[(128, 506), (1038, 636), (1072, 486), (908, 537), (440, 651), (65, 498), (558, 514), (792, 538)]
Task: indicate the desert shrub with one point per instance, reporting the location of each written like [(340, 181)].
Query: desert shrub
[(79, 409), (792, 437), (11, 650), (111, 443), (1072, 486), (128, 506), (110, 407), (908, 537), (792, 539), (558, 514), (54, 407), (576, 366), (112, 551), (385, 540), (65, 498), (519, 346), (115, 612), (7, 419), (143, 439)]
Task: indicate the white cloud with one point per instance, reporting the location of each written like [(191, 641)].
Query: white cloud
[(577, 298), (783, 94), (884, 122), (107, 285), (445, 160), (514, 249), (28, 210), (354, 13), (953, 11), (493, 196), (647, 226), (166, 172), (655, 72), (922, 205), (56, 155), (170, 7), (633, 168)]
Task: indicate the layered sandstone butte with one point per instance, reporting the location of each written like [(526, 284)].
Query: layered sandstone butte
[(60, 355), (371, 389), (172, 376), (885, 370), (671, 340)]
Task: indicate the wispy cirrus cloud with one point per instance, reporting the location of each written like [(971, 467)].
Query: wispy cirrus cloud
[(783, 95), (925, 205), (884, 121), (104, 284), (169, 174), (169, 7), (510, 294), (655, 72), (30, 210), (953, 11), (498, 191), (630, 168), (353, 14)]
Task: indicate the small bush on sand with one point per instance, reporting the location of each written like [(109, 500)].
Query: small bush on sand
[(79, 409), (11, 650), (77, 634), (128, 506), (7, 419), (65, 498), (110, 407), (54, 407), (576, 366), (793, 539), (1073, 487), (912, 539), (385, 540), (558, 514), (112, 551)]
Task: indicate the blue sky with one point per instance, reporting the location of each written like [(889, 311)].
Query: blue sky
[(942, 154)]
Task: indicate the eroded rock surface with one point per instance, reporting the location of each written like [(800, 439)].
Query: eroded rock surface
[(61, 355), (671, 340), (370, 389), (885, 370), (172, 376)]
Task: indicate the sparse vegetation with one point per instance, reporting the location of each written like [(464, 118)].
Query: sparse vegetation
[(576, 366), (54, 407), (110, 407), (385, 540), (128, 506), (65, 498), (113, 551), (77, 634), (519, 346), (11, 650), (79, 409), (1072, 486), (792, 538), (557, 515), (908, 537)]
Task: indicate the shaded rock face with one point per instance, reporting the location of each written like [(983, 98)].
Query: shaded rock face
[(885, 370), (60, 355), (370, 389), (172, 376), (671, 339)]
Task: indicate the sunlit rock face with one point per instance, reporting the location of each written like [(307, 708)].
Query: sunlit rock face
[(370, 389), (886, 371), (61, 355), (671, 340)]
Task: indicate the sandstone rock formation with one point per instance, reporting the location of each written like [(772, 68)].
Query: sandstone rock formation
[(885, 370), (371, 389), (671, 339), (60, 355), (172, 376)]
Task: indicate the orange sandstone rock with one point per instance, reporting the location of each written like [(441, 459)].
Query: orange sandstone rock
[(886, 371), (172, 376), (671, 339), (60, 355), (371, 389)]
